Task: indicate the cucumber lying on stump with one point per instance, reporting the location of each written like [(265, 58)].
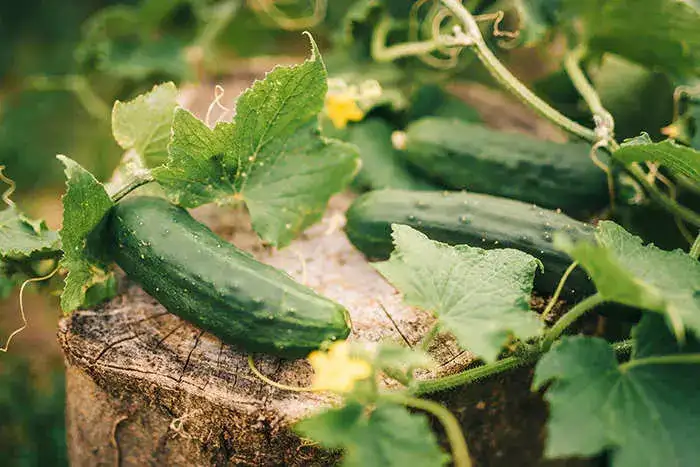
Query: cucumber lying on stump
[(473, 219), (214, 285), (470, 156)]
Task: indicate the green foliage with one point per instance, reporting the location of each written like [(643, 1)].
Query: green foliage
[(143, 124), (32, 431), (680, 159), (271, 156), (626, 271), (481, 296), (22, 238), (85, 205), (661, 34), (374, 438), (127, 42), (640, 409)]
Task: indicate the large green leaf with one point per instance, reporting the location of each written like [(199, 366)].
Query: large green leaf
[(22, 238), (626, 271), (85, 206), (271, 156), (481, 296), (680, 159), (645, 413), (143, 124), (661, 34), (389, 436)]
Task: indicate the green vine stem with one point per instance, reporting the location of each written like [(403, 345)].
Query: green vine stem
[(383, 53), (622, 350), (506, 78), (580, 309), (469, 376), (572, 66), (695, 249), (678, 359), (460, 452), (133, 184)]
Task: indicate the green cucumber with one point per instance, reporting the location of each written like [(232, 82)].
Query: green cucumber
[(473, 219), (468, 156), (214, 285)]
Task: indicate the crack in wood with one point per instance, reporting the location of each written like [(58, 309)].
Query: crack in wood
[(170, 333), (189, 355), (112, 345)]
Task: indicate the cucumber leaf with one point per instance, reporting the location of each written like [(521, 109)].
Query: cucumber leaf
[(85, 205), (22, 238), (626, 271), (143, 124), (661, 34), (680, 159), (271, 156), (388, 436), (481, 296), (640, 411)]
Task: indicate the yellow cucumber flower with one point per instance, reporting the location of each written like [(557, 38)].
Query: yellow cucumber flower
[(341, 109), (336, 370)]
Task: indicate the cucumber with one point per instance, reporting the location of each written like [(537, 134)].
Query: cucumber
[(468, 156), (214, 285), (473, 219)]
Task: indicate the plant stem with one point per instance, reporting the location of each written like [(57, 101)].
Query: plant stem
[(695, 249), (572, 65), (460, 452), (557, 292), (678, 359), (381, 53), (568, 319), (131, 186), (473, 375), (469, 376), (506, 78)]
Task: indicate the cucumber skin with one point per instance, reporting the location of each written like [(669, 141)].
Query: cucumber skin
[(214, 285), (467, 156), (468, 218)]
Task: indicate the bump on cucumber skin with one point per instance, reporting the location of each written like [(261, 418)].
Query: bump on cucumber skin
[(214, 285), (468, 218), (468, 156)]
